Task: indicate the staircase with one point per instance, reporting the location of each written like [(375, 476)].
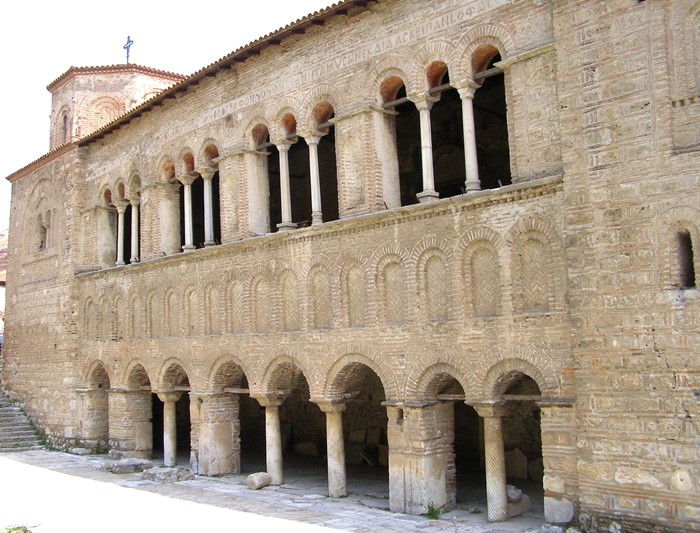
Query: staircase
[(16, 433)]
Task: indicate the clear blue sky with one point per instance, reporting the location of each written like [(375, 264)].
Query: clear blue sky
[(41, 40)]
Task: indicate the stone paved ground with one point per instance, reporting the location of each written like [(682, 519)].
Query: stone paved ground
[(55, 492)]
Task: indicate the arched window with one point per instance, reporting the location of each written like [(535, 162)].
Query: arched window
[(326, 166), (266, 208), (43, 231), (490, 120), (447, 133), (686, 259), (64, 129), (407, 140)]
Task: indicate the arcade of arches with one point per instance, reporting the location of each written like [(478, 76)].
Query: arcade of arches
[(463, 450)]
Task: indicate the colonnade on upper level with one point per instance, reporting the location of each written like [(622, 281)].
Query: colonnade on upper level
[(449, 139)]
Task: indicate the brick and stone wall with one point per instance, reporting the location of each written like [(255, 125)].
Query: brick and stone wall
[(577, 276)]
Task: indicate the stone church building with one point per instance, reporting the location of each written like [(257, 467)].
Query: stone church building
[(452, 240)]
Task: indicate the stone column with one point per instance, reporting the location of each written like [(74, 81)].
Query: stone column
[(169, 427), (426, 143), (187, 183), (312, 139), (337, 479), (121, 209), (134, 230), (497, 499), (466, 93), (285, 195), (273, 439), (207, 175)]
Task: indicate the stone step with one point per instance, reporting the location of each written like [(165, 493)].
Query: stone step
[(24, 432), (16, 432)]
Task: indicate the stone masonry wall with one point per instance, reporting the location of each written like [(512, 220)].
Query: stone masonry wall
[(635, 332)]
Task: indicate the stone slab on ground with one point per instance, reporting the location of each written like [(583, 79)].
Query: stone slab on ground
[(128, 465), (166, 474)]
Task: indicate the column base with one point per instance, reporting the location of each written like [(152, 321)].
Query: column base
[(286, 226), (134, 259), (188, 248), (427, 197), (120, 263), (316, 219), (472, 186), (209, 243)]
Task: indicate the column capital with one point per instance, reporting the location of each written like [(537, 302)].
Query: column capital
[(170, 396), (466, 88), (423, 101), (283, 145), (134, 200), (496, 409), (186, 179), (312, 136), (121, 204), (330, 406), (269, 401), (207, 173)]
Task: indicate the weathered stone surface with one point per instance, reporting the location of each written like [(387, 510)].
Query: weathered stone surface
[(551, 528), (166, 474), (521, 506), (127, 465), (558, 510), (258, 480), (514, 493), (516, 464)]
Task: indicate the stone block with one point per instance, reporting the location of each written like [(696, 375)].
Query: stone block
[(258, 480), (128, 465), (514, 493), (516, 464), (558, 510), (551, 528), (519, 507), (166, 474)]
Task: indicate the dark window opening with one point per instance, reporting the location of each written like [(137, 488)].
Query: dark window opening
[(127, 234), (273, 174), (328, 172), (43, 235), (64, 133), (198, 213), (686, 260), (300, 183), (447, 136), (408, 149), (216, 207), (491, 127), (197, 195)]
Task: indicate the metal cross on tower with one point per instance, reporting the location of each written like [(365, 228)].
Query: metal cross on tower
[(127, 46)]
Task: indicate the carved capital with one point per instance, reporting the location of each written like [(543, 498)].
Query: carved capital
[(497, 409)]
